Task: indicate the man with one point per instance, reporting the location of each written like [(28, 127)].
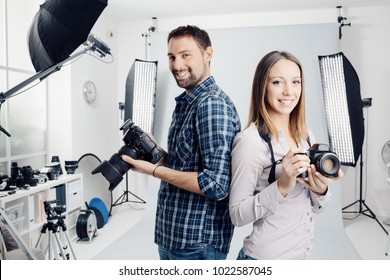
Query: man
[(192, 218)]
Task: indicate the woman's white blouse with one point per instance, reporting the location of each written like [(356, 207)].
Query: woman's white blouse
[(283, 227)]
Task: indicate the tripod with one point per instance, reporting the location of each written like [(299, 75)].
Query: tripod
[(57, 229)]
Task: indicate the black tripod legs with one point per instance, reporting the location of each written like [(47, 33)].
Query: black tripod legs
[(363, 209)]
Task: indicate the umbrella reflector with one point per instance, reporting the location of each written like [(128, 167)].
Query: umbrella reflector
[(60, 27)]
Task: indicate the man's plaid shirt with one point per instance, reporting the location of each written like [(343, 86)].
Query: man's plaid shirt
[(204, 124)]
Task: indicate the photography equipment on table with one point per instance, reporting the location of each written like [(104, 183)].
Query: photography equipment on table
[(57, 163), (326, 162), (55, 224), (71, 166), (22, 177), (138, 145), (6, 183), (42, 178), (51, 170), (25, 177)]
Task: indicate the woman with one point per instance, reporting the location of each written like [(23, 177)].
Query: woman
[(268, 160)]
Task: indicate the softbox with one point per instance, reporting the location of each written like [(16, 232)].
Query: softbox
[(140, 94), (59, 28), (343, 107)]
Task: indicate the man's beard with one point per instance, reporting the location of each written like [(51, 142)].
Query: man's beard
[(190, 83)]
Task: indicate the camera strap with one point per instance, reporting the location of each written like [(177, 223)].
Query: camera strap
[(267, 138)]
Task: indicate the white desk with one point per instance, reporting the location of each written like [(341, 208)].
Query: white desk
[(123, 218)]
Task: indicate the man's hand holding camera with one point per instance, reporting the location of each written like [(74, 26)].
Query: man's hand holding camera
[(294, 163), (142, 166)]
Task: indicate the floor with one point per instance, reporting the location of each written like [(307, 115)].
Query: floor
[(368, 237), (340, 236)]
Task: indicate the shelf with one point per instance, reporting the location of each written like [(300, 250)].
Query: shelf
[(26, 207)]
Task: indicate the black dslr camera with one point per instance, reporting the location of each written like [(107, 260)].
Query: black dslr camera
[(325, 161), (138, 145)]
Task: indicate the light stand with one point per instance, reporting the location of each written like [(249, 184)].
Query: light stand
[(344, 116), (139, 104), (342, 20), (125, 196), (363, 207)]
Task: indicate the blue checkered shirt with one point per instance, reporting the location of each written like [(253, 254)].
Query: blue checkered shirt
[(204, 124)]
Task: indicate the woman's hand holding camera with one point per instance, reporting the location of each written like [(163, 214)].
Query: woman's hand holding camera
[(317, 182), (294, 163)]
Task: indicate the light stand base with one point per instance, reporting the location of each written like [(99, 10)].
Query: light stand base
[(362, 205), (387, 223), (361, 201), (125, 197)]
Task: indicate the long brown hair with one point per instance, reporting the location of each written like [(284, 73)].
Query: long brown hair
[(258, 111)]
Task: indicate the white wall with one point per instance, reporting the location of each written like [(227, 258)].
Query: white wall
[(76, 127), (364, 43)]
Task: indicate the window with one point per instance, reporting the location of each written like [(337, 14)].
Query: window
[(23, 115)]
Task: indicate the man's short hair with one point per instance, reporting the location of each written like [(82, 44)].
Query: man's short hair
[(199, 35)]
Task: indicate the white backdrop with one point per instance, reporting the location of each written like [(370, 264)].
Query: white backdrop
[(236, 54)]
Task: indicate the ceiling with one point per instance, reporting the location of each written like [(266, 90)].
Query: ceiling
[(127, 10)]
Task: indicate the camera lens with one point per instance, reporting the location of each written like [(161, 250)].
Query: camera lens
[(328, 164), (115, 167)]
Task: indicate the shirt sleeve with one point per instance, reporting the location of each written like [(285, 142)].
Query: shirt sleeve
[(217, 123), (320, 202), (249, 201)]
